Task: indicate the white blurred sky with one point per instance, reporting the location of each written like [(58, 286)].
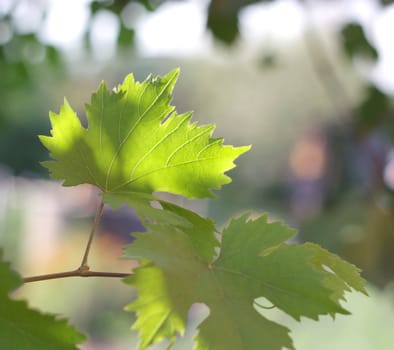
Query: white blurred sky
[(178, 28)]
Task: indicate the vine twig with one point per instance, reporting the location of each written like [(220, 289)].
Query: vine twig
[(84, 269), (75, 273), (99, 213)]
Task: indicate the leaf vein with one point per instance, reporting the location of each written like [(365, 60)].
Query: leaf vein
[(155, 146), (140, 117), (162, 168), (172, 155), (207, 146), (268, 285), (121, 112), (101, 121), (159, 325)]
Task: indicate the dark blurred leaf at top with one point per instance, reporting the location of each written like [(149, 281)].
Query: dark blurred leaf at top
[(355, 43), (118, 5), (54, 57), (373, 108), (223, 18), (114, 6), (386, 2), (126, 37), (149, 5)]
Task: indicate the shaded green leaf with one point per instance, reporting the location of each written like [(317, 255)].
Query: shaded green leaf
[(23, 328), (254, 261), (153, 210)]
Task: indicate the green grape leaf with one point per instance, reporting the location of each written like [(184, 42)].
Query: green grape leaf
[(201, 231), (135, 142), (23, 328), (254, 261)]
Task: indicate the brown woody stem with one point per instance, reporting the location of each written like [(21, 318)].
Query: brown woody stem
[(75, 273), (99, 213), (83, 270)]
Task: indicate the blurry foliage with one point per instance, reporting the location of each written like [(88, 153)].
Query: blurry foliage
[(374, 109), (360, 231), (27, 66), (26, 151), (26, 63), (223, 18), (355, 43), (118, 6), (126, 36)]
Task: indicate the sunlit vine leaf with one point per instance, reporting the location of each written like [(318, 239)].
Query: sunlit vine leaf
[(135, 142)]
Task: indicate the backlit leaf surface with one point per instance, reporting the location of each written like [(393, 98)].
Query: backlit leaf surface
[(135, 142)]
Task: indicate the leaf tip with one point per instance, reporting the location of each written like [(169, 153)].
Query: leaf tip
[(172, 75), (176, 71), (65, 102)]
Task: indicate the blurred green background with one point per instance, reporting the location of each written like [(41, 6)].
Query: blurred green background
[(309, 84)]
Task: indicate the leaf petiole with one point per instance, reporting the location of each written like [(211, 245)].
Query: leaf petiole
[(99, 213)]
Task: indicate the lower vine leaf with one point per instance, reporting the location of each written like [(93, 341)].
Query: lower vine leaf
[(22, 328), (254, 261)]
